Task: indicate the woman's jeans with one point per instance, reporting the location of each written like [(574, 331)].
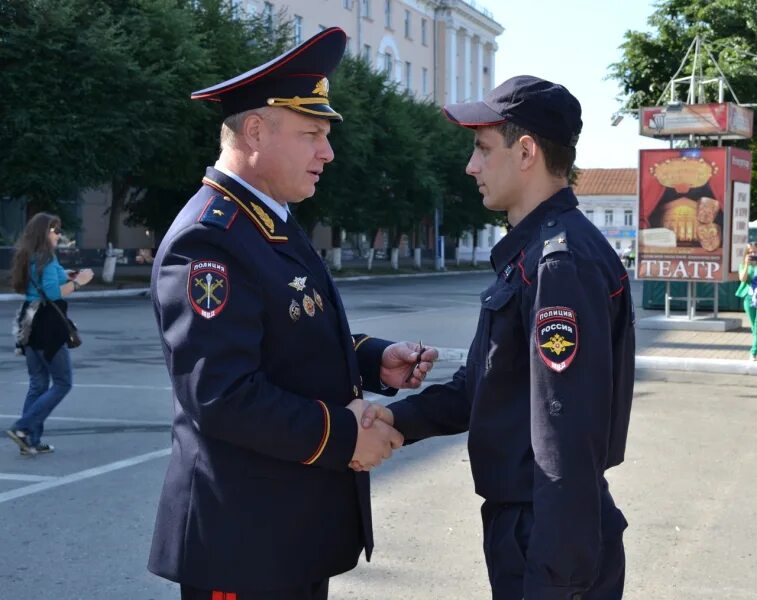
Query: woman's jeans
[(43, 398), (751, 312)]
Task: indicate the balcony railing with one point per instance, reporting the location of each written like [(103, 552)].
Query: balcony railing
[(475, 5)]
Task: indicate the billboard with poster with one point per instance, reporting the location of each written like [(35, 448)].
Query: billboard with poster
[(685, 212), (725, 120)]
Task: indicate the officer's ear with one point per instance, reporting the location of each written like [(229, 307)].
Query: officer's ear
[(528, 152), (252, 130)]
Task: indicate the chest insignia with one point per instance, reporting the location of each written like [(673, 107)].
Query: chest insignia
[(298, 283), (294, 311), (308, 305), (318, 299), (208, 287), (557, 336)]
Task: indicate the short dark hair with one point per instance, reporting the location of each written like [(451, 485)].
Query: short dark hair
[(558, 159)]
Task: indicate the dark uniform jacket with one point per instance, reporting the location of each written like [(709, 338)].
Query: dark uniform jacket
[(546, 391), (258, 494)]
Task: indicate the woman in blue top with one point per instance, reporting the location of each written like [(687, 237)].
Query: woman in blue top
[(748, 291), (35, 267)]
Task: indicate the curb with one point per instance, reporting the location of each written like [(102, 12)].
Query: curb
[(84, 295), (146, 291), (654, 363)]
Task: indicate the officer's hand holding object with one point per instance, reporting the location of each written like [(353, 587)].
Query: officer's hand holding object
[(399, 358)]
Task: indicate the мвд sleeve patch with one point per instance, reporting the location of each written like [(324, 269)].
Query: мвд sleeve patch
[(557, 336), (208, 287)]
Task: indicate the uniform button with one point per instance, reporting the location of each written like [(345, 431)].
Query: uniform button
[(487, 299), (555, 407), (551, 223)]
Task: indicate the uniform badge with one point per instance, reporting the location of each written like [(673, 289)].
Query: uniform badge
[(308, 305), (294, 310), (208, 287), (318, 299), (557, 336), (298, 283)]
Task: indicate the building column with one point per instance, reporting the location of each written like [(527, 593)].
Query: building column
[(451, 65), (492, 81), (466, 93), (480, 71)]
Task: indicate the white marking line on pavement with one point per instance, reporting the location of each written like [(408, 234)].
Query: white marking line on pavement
[(401, 315), (96, 420), (82, 475), (18, 477), (116, 386)]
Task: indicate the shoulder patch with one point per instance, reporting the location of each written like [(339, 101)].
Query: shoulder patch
[(556, 332), (208, 287), (219, 212)]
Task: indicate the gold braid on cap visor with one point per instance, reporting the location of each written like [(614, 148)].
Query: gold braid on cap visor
[(297, 103)]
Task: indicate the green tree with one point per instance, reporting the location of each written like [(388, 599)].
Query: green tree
[(650, 59), (226, 45)]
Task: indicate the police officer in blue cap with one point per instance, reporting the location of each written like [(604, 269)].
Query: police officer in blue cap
[(259, 501), (546, 390)]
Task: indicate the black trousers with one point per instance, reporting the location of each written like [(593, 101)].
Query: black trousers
[(316, 591), (507, 528)]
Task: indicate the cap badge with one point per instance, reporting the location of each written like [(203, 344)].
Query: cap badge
[(322, 88), (298, 283)]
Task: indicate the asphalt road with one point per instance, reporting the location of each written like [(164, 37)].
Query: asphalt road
[(77, 524)]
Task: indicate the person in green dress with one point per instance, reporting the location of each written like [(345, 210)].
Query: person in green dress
[(748, 291)]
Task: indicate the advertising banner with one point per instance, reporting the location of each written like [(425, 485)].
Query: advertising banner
[(725, 120), (684, 213)]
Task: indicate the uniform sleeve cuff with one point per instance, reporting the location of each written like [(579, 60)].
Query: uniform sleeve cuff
[(338, 442)]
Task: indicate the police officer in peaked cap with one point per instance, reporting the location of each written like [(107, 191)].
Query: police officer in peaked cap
[(259, 501), (546, 390)]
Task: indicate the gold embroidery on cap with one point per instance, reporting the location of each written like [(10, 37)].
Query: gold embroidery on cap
[(322, 87)]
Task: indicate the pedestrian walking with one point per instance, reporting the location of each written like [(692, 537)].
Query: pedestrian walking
[(747, 290), (42, 327), (546, 390), (259, 502)]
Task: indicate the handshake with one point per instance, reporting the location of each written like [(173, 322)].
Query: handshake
[(403, 365), (376, 438)]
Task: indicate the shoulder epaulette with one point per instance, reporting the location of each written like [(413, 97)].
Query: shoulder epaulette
[(553, 238), (219, 212)]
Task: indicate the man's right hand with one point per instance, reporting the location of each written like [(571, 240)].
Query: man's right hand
[(375, 441)]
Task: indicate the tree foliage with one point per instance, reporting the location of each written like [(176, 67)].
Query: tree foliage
[(650, 59)]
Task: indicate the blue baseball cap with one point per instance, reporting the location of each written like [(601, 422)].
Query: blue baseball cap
[(297, 79), (542, 107)]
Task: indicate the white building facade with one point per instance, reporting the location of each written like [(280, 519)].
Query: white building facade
[(609, 199)]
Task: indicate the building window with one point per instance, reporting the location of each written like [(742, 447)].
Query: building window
[(347, 4), (617, 244), (424, 81), (366, 52), (388, 14), (297, 29), (407, 24), (348, 46), (268, 16), (628, 217), (608, 217), (388, 65), (424, 39), (408, 75), (366, 8), (590, 215)]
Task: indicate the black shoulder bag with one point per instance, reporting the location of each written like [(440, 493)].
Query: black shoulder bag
[(74, 341)]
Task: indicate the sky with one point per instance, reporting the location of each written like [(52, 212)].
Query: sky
[(573, 43)]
